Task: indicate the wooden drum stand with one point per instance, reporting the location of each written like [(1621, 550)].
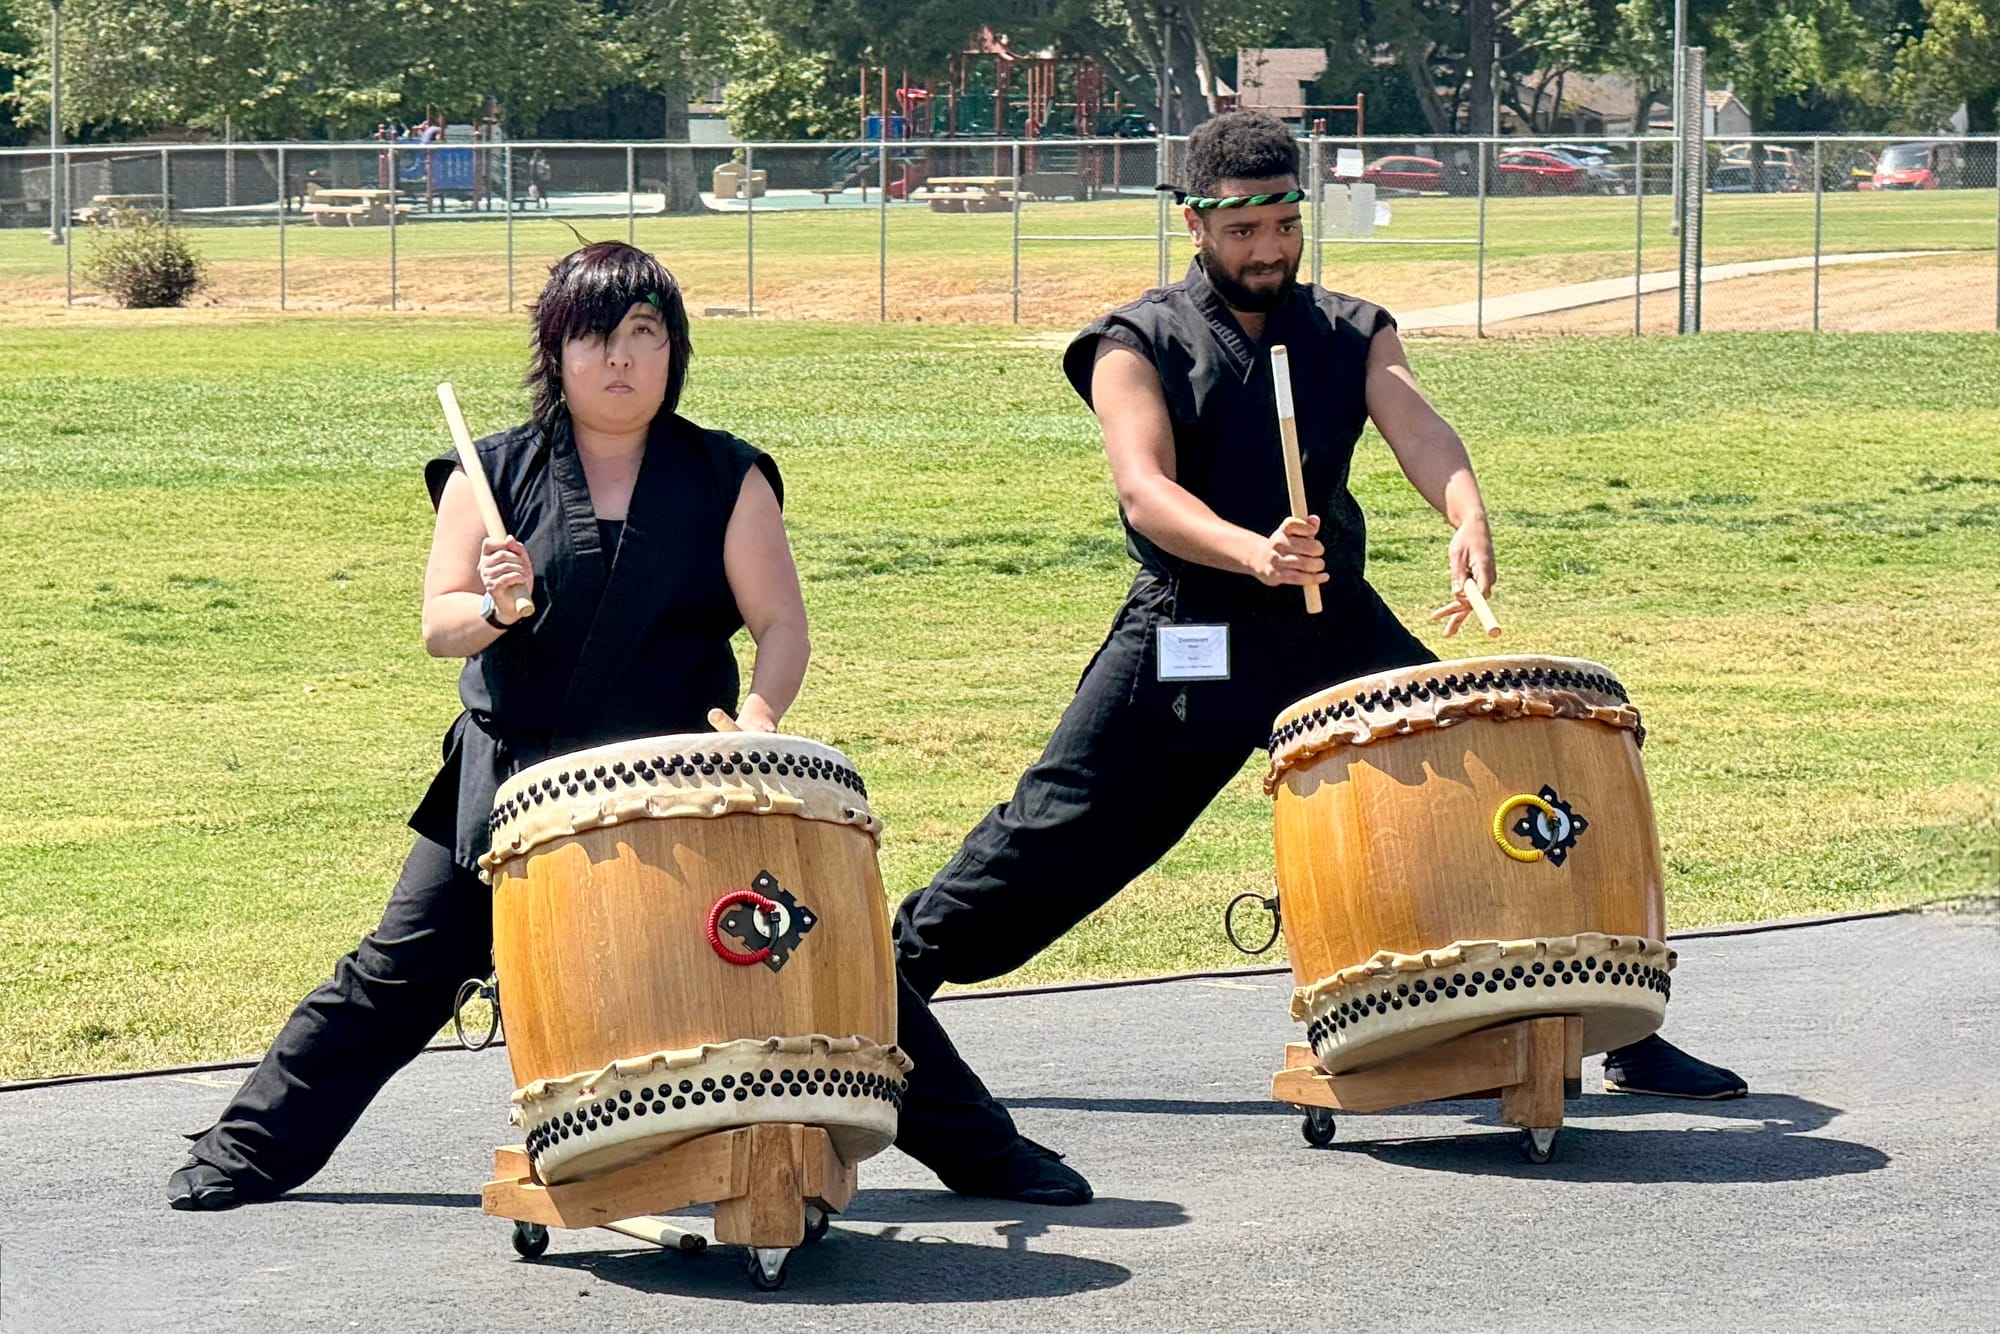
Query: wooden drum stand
[(1529, 1064), (774, 1187)]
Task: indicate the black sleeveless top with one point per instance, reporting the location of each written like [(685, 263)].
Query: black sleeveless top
[(636, 646), (1220, 399)]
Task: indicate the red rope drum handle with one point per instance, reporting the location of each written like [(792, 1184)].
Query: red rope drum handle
[(723, 905)]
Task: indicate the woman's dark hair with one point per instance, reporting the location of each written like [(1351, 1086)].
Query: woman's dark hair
[(1239, 146), (589, 292)]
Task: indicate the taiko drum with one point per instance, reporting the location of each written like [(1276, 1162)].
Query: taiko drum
[(1464, 844)]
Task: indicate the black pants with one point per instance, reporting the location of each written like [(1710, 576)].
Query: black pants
[(359, 1027), (1132, 764)]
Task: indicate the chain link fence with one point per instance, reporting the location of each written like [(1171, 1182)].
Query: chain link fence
[(1456, 235)]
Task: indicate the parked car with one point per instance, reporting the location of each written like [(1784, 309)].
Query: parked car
[(1733, 178), (1530, 171), (1602, 178), (1592, 154), (1415, 174), (1772, 153), (1933, 166)]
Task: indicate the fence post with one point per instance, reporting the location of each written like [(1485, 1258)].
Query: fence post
[(68, 232), (1479, 293), (1016, 192), (631, 199), (1314, 164), (166, 197), (1819, 195), (1164, 163), (1693, 184), (284, 207), (750, 228), (392, 226), (1996, 231), (1639, 240), (883, 225), (507, 186)]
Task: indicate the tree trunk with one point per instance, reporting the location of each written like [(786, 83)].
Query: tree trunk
[(1642, 109), (683, 191), (1479, 54), (1417, 64)]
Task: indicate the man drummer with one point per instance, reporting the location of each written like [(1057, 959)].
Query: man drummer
[(1213, 639)]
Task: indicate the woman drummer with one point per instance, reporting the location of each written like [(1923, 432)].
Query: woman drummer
[(647, 543)]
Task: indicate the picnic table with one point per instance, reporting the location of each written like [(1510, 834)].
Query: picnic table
[(368, 207), (970, 194), (109, 208)]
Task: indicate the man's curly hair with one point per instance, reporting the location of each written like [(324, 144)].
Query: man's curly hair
[(1240, 146)]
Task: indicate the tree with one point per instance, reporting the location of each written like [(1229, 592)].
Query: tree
[(277, 68), (17, 61), (1957, 60), (778, 91)]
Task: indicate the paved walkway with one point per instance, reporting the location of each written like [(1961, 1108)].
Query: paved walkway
[(1855, 1189), (1573, 296)]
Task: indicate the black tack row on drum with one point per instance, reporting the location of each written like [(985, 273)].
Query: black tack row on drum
[(1444, 687), (1412, 995), (664, 767), (657, 1101)]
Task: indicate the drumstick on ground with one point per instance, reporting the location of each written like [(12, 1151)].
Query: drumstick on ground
[(1288, 437), (721, 721), (482, 493)]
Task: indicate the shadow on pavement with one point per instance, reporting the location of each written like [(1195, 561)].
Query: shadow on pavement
[(1769, 1153), (412, 1199), (860, 1263)]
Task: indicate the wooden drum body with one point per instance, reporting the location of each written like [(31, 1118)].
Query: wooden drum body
[(1465, 844), (690, 935)]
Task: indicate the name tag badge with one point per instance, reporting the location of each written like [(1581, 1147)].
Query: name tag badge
[(1194, 653)]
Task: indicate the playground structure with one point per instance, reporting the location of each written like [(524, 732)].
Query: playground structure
[(989, 91)]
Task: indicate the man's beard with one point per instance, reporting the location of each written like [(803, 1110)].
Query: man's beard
[(1250, 300)]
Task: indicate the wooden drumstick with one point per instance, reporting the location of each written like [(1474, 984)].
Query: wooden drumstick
[(1470, 588), (721, 721), (1288, 436), (482, 493)]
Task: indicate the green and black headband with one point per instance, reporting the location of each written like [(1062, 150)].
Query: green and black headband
[(1230, 201)]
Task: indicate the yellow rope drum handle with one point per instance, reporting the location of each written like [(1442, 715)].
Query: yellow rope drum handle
[(1507, 808)]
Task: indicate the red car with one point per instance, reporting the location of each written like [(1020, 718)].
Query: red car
[(1405, 173), (1526, 172), (1919, 167)]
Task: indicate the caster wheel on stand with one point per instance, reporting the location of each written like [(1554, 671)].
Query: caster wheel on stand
[(1538, 1146), (767, 1267), (1318, 1127), (530, 1240), (818, 1221)]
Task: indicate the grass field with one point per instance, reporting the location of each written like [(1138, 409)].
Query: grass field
[(959, 268), (219, 712)]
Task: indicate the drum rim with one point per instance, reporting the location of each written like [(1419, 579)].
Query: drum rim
[(1440, 694), (762, 773), (677, 744), (1443, 667)]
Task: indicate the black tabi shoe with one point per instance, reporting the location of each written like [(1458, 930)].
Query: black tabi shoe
[(203, 1187), (1027, 1172), (1657, 1067)]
